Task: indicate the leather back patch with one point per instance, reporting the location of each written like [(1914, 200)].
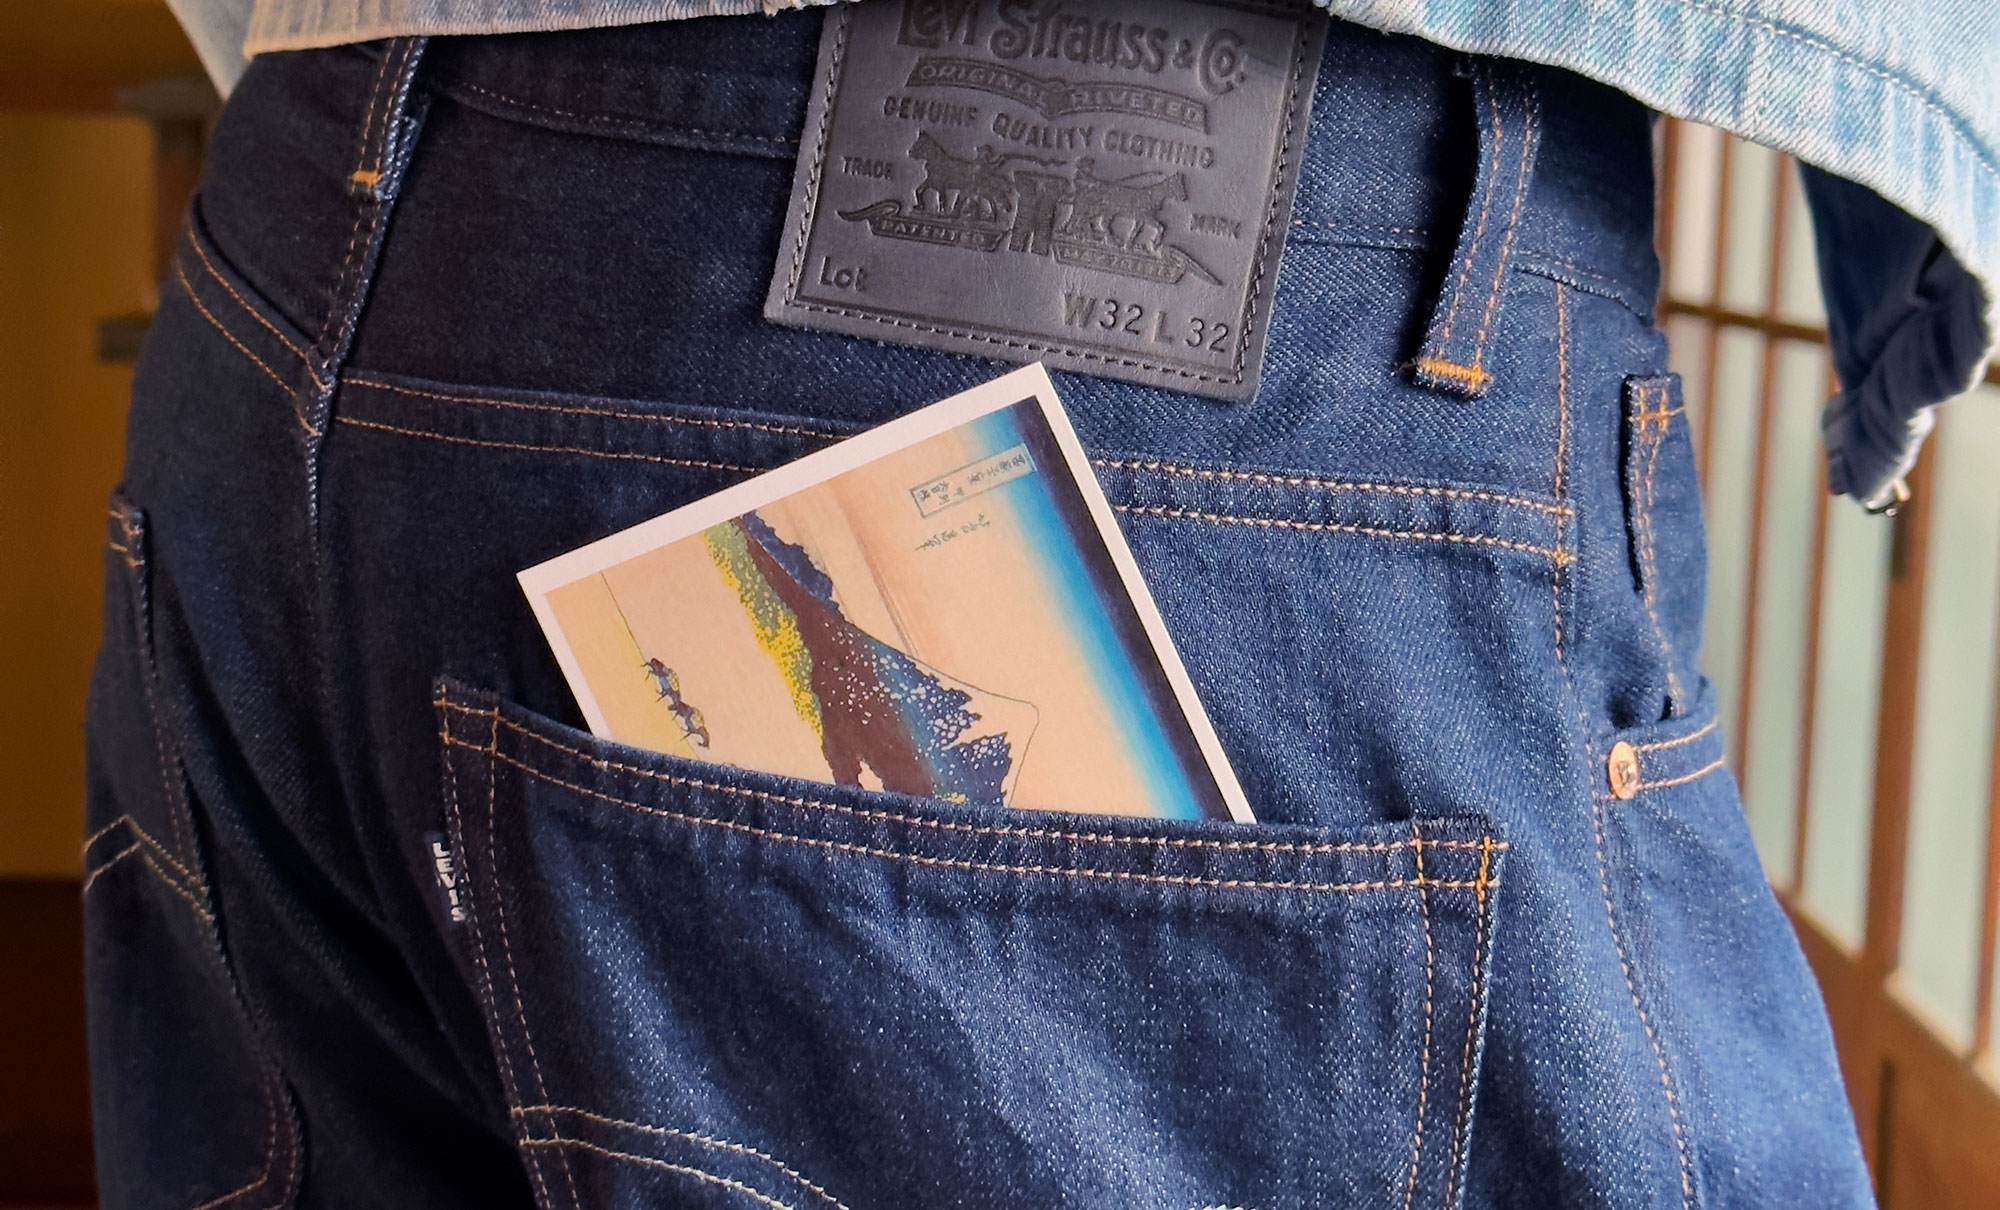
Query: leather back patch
[(1104, 185)]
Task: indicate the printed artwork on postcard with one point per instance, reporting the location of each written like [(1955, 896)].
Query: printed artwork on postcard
[(939, 607)]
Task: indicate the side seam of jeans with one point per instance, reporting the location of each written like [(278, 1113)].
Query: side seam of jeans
[(1580, 741), (180, 863)]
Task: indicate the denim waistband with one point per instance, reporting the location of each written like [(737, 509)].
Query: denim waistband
[(1391, 158)]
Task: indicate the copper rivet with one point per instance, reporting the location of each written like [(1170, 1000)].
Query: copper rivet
[(1623, 767)]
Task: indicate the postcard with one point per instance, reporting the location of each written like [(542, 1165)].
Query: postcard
[(942, 606)]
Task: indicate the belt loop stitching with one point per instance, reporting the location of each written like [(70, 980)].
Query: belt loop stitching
[(1510, 105), (388, 128)]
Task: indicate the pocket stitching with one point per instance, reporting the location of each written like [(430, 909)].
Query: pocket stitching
[(683, 1169), (622, 455), (1460, 1125), (507, 952), (1712, 766), (187, 883), (550, 1110), (487, 994), (1424, 1060), (1558, 557), (1330, 485), (782, 430), (977, 866), (1187, 842)]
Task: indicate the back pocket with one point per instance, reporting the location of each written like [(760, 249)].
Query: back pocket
[(710, 987)]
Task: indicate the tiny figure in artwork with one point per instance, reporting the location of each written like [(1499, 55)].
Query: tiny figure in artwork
[(668, 682)]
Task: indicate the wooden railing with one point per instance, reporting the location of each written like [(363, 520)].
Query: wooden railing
[(1856, 659)]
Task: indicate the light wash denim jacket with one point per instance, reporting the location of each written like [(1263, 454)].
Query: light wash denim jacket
[(1892, 101)]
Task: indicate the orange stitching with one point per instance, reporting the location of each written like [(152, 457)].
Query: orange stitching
[(545, 449), (507, 951), (228, 336), (1470, 375), (648, 1160), (1543, 264), (1332, 485), (241, 301), (1562, 454), (816, 804), (1479, 229), (783, 429), (1521, 174), (1559, 556), (1645, 1022), (509, 1084), (377, 96), (1611, 917), (951, 863), (1458, 1131), (690, 1136), (110, 861), (1424, 1059), (1685, 778), (1663, 745)]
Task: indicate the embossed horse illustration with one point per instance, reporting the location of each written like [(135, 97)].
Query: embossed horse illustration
[(1123, 213), (980, 189)]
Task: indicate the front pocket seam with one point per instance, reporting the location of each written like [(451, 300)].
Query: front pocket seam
[(1178, 842), (1667, 744), (979, 866), (1669, 783)]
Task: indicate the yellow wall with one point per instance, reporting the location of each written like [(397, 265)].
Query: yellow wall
[(76, 201)]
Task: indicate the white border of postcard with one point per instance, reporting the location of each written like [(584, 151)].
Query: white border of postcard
[(1017, 387)]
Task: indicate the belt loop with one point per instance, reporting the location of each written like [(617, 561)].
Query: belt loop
[(1509, 119), (390, 119)]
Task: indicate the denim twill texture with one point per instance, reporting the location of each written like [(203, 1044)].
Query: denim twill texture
[(442, 312), (1890, 99)]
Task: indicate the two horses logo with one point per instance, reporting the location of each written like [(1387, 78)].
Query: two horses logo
[(1033, 205)]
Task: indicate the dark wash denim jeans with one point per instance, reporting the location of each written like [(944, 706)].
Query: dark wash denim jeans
[(443, 312)]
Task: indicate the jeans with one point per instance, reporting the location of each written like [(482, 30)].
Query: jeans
[(372, 922)]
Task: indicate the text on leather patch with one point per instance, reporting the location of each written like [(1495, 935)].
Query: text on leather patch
[(1104, 185)]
